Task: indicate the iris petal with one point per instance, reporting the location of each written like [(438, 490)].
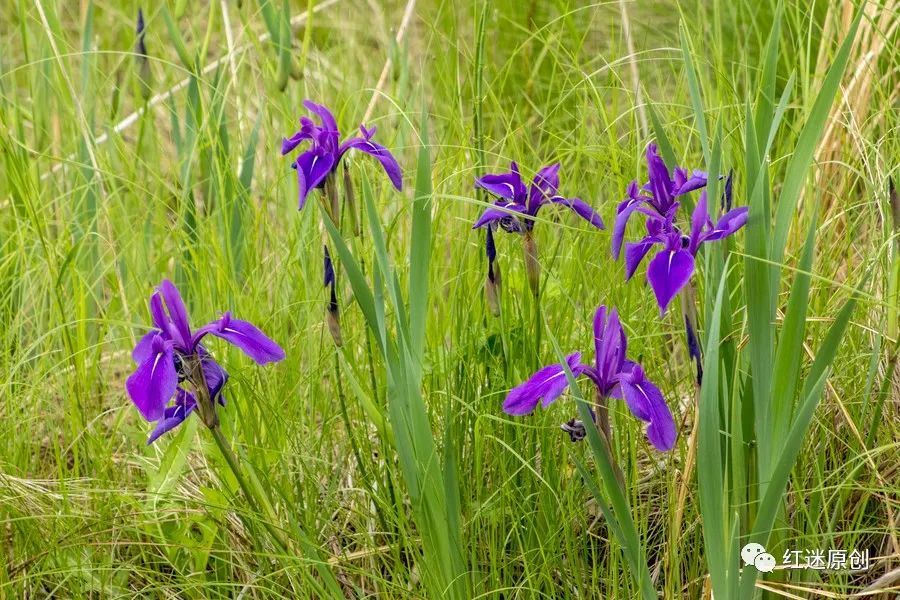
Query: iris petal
[(610, 345), (646, 402), (177, 311), (302, 188), (581, 208), (382, 154), (144, 348), (622, 215), (545, 386), (174, 415), (508, 186), (728, 224), (660, 183), (545, 184), (635, 253), (154, 381), (246, 336), (667, 273), (699, 219), (328, 121), (503, 211), (158, 313), (316, 165), (685, 183)]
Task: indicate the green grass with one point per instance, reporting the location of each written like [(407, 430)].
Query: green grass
[(391, 457)]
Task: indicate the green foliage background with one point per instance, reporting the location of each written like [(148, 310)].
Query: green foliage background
[(114, 175)]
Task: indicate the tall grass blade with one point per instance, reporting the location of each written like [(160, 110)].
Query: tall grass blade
[(711, 478), (431, 483), (420, 246), (767, 82), (777, 478), (774, 495), (796, 171), (189, 62), (241, 202), (790, 345), (662, 140), (696, 97)]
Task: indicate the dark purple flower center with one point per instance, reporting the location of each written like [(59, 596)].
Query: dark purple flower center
[(510, 224), (179, 366)]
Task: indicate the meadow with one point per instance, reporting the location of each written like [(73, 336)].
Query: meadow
[(373, 457)]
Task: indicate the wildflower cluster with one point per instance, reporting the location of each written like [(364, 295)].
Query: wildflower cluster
[(173, 363), (670, 270)]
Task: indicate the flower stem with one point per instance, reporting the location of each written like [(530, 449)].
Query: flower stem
[(602, 411), (206, 407), (332, 200), (350, 200), (533, 273), (248, 491), (250, 486)]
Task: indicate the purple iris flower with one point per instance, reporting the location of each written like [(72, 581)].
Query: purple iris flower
[(518, 204), (614, 377), (671, 268), (316, 166), (514, 198), (171, 354), (657, 198)]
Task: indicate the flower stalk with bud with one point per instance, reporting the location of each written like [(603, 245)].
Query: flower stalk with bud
[(517, 206), (317, 168), (332, 312), (669, 272)]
